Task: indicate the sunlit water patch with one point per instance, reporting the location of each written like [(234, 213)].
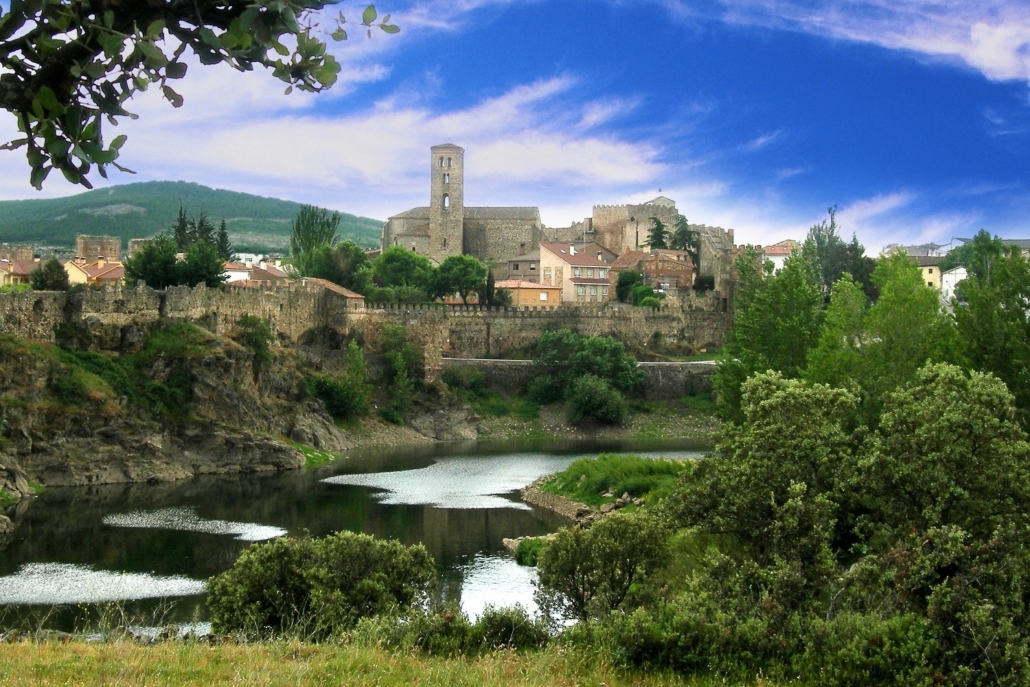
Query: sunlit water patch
[(184, 519), (496, 581), (64, 583), (471, 481)]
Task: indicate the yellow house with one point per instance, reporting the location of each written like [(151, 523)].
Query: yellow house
[(930, 266), (76, 273), (527, 293)]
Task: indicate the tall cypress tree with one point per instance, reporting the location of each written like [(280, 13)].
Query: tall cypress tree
[(225, 248)]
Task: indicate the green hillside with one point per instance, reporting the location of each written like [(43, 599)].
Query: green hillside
[(140, 210)]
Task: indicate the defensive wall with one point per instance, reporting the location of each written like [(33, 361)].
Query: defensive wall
[(292, 310), (662, 380)]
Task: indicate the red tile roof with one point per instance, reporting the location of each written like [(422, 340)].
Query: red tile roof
[(580, 259), (628, 260)]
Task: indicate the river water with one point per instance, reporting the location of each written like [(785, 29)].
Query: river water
[(151, 544)]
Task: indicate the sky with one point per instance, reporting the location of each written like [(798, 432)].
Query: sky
[(912, 117)]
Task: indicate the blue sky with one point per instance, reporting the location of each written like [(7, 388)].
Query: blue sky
[(912, 116)]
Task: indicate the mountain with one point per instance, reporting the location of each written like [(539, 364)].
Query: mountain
[(256, 224)]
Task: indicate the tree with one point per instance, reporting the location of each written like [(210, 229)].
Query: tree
[(154, 264), (593, 398), (833, 257), (225, 249), (313, 229), (346, 265), (658, 234), (777, 321), (157, 264), (69, 65), (685, 238), (49, 276), (460, 274), (181, 230), (566, 356), (489, 290), (993, 317), (398, 267), (625, 283)]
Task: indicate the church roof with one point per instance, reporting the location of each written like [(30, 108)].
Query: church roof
[(662, 200), (502, 213), (413, 213)]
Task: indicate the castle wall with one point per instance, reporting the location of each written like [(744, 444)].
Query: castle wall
[(16, 253), (500, 239), (93, 247), (662, 380)]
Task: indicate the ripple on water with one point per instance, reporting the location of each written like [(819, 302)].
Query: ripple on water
[(185, 519), (65, 583)]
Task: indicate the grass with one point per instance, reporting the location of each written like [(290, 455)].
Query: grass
[(589, 479), (699, 403), (6, 499), (296, 663), (313, 457)]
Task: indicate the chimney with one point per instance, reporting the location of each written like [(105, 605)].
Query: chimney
[(572, 249)]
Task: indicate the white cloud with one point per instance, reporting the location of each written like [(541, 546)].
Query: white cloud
[(991, 36)]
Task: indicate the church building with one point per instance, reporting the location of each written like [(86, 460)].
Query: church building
[(448, 227)]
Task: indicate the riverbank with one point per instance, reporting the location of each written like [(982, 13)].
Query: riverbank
[(276, 663)]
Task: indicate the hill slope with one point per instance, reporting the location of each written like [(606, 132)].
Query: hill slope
[(144, 209)]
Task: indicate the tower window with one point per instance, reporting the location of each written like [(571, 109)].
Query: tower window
[(441, 163), (446, 178), (446, 201), (448, 162), (445, 242)]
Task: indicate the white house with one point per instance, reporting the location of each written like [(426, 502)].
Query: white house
[(949, 280)]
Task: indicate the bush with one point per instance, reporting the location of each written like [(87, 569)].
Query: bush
[(650, 302), (464, 377), (314, 588), (592, 398), (587, 479), (509, 628), (528, 550), (342, 398), (544, 390), (49, 276), (255, 334), (590, 573)]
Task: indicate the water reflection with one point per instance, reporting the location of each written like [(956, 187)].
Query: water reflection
[(61, 583), (458, 501)]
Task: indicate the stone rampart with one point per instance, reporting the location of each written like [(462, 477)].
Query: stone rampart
[(662, 380)]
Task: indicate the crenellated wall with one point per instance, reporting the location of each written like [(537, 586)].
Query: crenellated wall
[(294, 309)]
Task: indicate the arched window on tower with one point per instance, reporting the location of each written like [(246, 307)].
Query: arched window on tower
[(446, 201), (441, 162), (446, 178), (448, 162)]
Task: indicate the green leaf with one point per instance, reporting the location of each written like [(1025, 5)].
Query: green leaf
[(339, 35), (175, 70), (58, 147), (48, 100), (174, 98), (156, 29), (390, 28), (119, 141), (155, 58), (109, 18), (209, 38), (369, 15)]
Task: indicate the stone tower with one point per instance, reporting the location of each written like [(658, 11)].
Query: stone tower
[(447, 201)]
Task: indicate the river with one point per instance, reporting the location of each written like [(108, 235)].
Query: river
[(152, 546)]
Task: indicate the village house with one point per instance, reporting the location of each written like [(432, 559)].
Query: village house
[(531, 294), (15, 272), (930, 267), (582, 276), (778, 253), (666, 271)]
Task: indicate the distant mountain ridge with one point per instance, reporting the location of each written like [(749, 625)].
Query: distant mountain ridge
[(256, 223)]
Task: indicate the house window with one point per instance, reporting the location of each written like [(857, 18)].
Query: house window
[(602, 273), (577, 272), (604, 291), (515, 267), (581, 290), (446, 201), (930, 284), (599, 259), (543, 295), (532, 267), (593, 290), (590, 273), (413, 248), (931, 271), (446, 178)]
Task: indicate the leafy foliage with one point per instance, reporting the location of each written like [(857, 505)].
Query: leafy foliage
[(658, 234), (70, 65), (255, 334), (157, 264), (566, 356), (345, 396), (314, 588), (685, 238), (590, 573), (460, 274), (833, 257), (593, 398), (993, 318), (777, 321), (627, 280), (49, 276)]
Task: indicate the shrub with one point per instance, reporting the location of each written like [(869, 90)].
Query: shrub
[(650, 302), (592, 398), (588, 479), (528, 551), (464, 377), (49, 276), (255, 334), (544, 390), (509, 628), (314, 588), (342, 398), (590, 573)]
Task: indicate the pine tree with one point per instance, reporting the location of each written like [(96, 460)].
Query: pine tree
[(181, 231), (658, 235), (225, 249)]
